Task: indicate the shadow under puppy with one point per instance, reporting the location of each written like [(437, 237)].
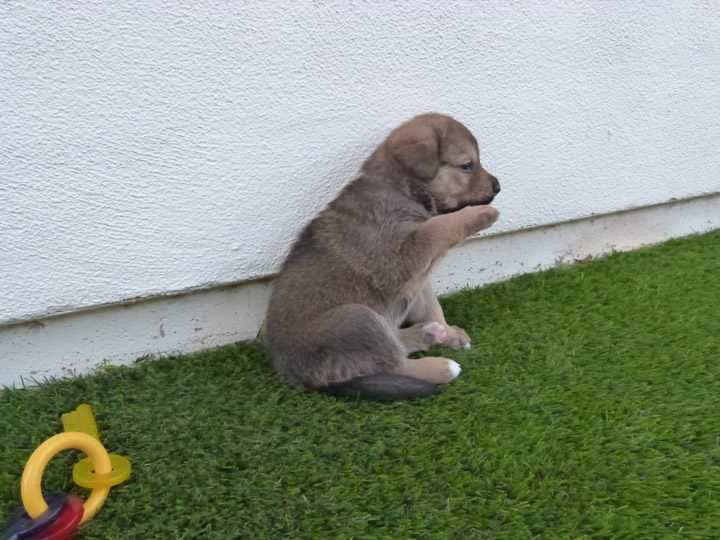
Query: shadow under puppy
[(360, 269)]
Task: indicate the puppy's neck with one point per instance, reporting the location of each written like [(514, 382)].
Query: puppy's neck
[(418, 193)]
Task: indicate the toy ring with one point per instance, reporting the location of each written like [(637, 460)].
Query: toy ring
[(31, 483), (83, 473)]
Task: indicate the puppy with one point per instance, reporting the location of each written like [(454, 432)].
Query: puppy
[(360, 269)]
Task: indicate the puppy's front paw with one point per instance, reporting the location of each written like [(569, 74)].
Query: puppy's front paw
[(457, 338), (480, 217)]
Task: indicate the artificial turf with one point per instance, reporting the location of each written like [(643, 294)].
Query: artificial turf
[(588, 408)]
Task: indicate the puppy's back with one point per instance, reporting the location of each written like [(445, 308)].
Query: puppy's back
[(346, 254)]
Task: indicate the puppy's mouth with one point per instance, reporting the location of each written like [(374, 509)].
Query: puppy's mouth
[(478, 202), (463, 204)]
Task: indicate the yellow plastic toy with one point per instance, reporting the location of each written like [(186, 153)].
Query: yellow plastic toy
[(81, 433)]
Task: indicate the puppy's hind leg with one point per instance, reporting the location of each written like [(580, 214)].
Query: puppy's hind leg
[(359, 355), (430, 368), (349, 341)]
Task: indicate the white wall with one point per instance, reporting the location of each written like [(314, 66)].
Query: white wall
[(153, 147)]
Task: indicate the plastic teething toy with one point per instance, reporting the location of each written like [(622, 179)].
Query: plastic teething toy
[(58, 516)]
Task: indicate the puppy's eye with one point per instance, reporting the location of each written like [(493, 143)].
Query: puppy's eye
[(467, 166)]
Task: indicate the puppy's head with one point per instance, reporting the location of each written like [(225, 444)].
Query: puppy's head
[(440, 155)]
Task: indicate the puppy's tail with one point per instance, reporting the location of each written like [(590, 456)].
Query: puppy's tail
[(382, 387)]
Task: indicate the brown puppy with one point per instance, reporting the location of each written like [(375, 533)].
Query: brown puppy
[(360, 269)]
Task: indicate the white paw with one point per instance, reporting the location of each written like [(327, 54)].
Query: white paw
[(467, 346), (454, 368)]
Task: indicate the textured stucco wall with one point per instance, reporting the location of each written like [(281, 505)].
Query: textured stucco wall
[(150, 147)]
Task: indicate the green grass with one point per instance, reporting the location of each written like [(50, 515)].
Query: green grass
[(589, 407)]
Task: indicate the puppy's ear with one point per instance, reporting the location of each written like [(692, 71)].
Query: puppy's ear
[(417, 148)]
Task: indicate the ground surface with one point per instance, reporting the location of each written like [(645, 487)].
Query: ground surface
[(589, 407)]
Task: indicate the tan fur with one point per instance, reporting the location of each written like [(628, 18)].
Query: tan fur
[(359, 270)]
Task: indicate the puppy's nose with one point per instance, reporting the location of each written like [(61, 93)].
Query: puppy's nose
[(495, 185)]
